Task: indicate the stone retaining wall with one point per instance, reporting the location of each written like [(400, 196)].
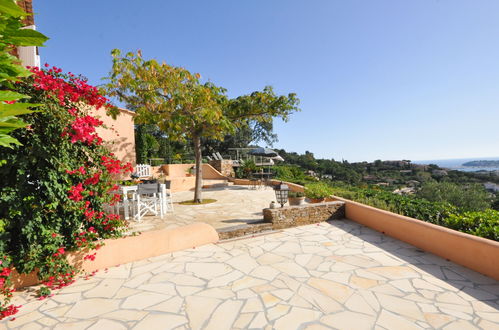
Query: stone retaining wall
[(223, 166), (291, 216)]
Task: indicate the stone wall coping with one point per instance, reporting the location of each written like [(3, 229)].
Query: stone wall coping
[(309, 205)]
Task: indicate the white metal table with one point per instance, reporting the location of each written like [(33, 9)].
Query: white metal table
[(124, 190)]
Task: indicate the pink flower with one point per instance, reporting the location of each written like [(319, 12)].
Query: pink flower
[(75, 192)]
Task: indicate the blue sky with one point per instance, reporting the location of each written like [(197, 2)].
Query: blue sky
[(377, 79)]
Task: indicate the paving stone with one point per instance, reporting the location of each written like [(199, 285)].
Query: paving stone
[(67, 298), (146, 268), (362, 282), (335, 290), (452, 298), (105, 289), (263, 288), (138, 280), (48, 321), (207, 270), (400, 306), (437, 320), (259, 321), (143, 300), (318, 300), (25, 319), (94, 307), (295, 318), (107, 324), (388, 289), (269, 299), (225, 315), (283, 294), (277, 311), (79, 325), (187, 290), (394, 272), (349, 320), (125, 315), (484, 324), (189, 280), (225, 279), (390, 320), (265, 272), (291, 269), (245, 294), (199, 310), (163, 288), (58, 312), (460, 325), (298, 301), (167, 321), (246, 282), (357, 303), (252, 305), (243, 320), (269, 258)]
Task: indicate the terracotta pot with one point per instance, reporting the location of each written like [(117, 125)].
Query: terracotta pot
[(296, 200)]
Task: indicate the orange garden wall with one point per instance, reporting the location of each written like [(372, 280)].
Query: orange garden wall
[(179, 177), (292, 186), (120, 140), (146, 245), (479, 254)]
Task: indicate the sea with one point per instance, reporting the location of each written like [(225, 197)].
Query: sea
[(457, 164)]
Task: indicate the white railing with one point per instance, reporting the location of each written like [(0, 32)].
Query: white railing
[(143, 170)]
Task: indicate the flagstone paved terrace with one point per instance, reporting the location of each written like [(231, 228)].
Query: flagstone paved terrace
[(235, 205), (332, 275)]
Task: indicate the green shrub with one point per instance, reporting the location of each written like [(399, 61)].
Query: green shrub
[(246, 170), (484, 224), (479, 223), (296, 194), (318, 190), (470, 197), (56, 185)]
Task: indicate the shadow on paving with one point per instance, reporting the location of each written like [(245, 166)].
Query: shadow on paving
[(434, 265)]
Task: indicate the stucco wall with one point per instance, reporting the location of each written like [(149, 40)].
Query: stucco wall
[(479, 254), (292, 186), (119, 137), (181, 181), (146, 245)]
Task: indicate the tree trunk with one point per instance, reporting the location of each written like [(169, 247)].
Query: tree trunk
[(199, 173)]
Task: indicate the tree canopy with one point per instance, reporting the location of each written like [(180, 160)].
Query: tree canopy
[(184, 108)]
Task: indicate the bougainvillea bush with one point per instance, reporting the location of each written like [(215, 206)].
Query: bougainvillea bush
[(55, 187)]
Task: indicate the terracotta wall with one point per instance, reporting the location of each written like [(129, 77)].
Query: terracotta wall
[(292, 186), (146, 245), (479, 254), (120, 140), (180, 180)]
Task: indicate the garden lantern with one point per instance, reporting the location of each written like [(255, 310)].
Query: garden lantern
[(281, 193)]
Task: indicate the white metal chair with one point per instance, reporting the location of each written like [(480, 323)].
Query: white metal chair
[(147, 199), (167, 197), (143, 170)]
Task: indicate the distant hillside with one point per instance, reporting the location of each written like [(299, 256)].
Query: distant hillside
[(482, 163)]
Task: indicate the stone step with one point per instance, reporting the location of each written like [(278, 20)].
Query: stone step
[(216, 183), (244, 230)]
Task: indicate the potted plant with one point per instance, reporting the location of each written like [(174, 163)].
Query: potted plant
[(318, 192), (296, 198), (190, 171)]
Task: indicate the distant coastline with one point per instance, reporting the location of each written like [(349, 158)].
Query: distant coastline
[(489, 164), (482, 163)]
